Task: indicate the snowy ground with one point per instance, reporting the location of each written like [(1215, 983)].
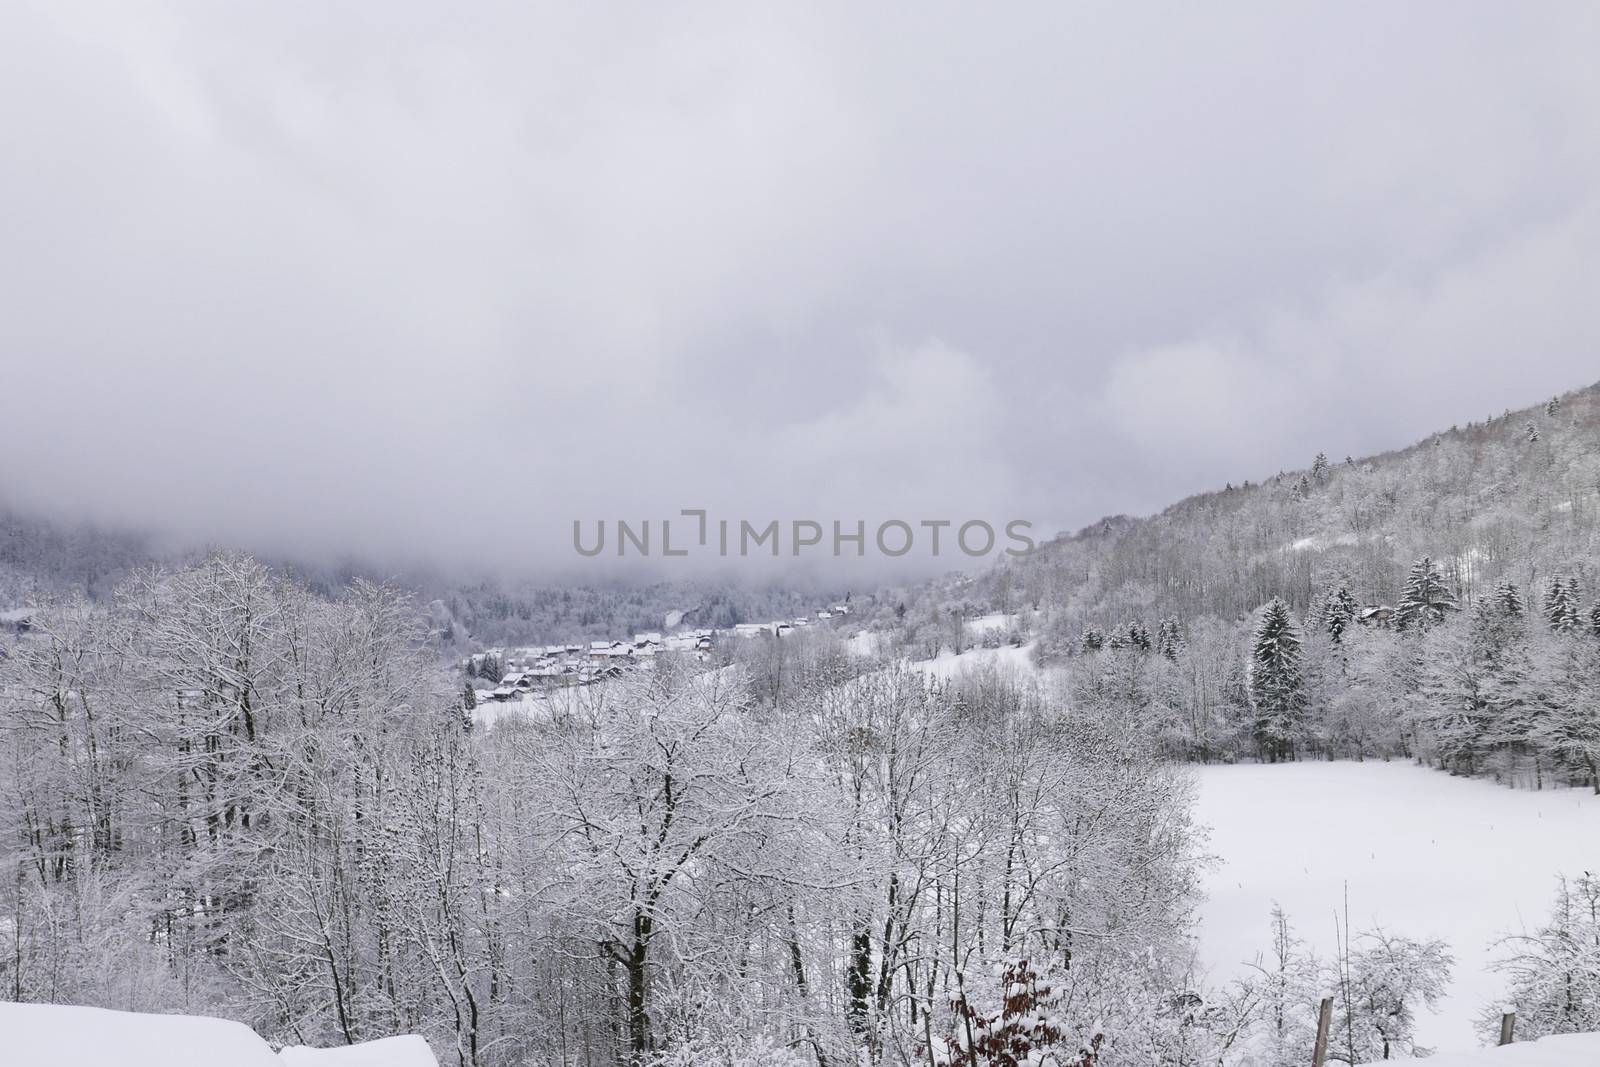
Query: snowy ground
[(532, 705), (1567, 1050), (1424, 854), (948, 666), (986, 623), (57, 1035)]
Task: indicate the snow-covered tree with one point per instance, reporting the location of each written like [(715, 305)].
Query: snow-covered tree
[(1561, 609), (1554, 973), (1277, 690), (1507, 597), (1426, 599), (1286, 983), (1340, 609), (1385, 982), (1169, 638)]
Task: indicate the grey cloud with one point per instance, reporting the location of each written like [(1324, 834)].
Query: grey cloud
[(414, 282)]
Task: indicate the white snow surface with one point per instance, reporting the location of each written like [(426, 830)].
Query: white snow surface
[(1424, 855), (407, 1051), (1321, 543), (60, 1035), (947, 666), (1566, 1050), (56, 1035), (985, 623)]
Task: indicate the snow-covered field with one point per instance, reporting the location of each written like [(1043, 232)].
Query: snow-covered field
[(948, 666), (1566, 1050), (1424, 855)]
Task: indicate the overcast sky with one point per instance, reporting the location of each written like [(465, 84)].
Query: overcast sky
[(433, 281)]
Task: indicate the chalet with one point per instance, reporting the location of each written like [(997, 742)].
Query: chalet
[(1377, 615), (18, 620), (609, 651)]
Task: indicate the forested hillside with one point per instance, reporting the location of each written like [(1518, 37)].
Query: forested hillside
[(1437, 602)]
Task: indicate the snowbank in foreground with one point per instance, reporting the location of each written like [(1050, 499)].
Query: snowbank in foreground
[(59, 1035), (408, 1051), (1568, 1050), (55, 1035)]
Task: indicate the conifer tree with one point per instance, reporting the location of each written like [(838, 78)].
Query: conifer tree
[(1426, 599), (1339, 611), (1092, 641), (1319, 468), (1508, 598), (1169, 639), (1139, 636), (1277, 690), (1561, 605)]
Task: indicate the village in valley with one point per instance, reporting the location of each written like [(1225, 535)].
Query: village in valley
[(501, 675)]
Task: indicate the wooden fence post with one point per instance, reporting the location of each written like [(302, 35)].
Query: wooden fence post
[(1508, 1023), (1319, 1052)]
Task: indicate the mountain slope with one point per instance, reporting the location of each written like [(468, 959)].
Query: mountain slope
[(1517, 496)]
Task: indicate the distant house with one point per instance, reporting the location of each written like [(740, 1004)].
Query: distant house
[(18, 620), (609, 651), (1377, 615)]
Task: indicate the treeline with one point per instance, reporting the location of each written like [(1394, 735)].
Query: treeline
[(1508, 687)]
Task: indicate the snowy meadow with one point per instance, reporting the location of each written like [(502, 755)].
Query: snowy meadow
[(1419, 852)]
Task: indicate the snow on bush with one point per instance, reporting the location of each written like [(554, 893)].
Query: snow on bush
[(761, 1051)]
